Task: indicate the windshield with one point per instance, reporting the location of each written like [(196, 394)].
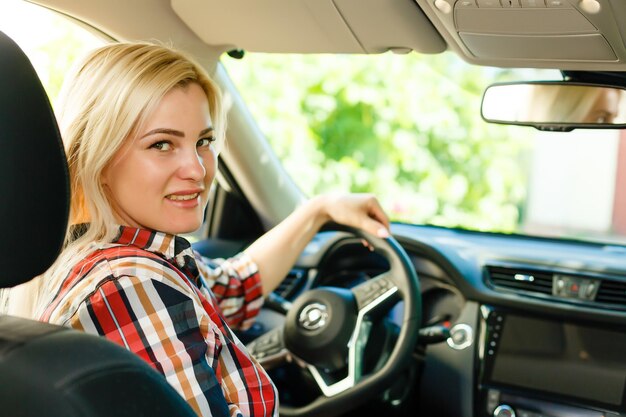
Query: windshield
[(408, 129)]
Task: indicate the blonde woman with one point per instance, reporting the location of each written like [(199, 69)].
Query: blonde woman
[(551, 103), (142, 124)]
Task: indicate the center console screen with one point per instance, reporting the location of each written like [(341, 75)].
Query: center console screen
[(569, 359)]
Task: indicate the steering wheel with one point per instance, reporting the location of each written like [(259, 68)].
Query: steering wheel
[(327, 328)]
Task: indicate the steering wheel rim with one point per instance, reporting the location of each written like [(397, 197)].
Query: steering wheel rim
[(399, 283)]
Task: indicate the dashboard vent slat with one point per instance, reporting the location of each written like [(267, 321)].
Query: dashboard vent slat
[(292, 282), (520, 279), (612, 292)]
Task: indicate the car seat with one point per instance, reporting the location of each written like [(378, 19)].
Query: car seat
[(48, 370)]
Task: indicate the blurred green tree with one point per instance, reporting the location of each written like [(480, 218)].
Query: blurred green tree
[(406, 128)]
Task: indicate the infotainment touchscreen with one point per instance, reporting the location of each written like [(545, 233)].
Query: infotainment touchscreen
[(574, 360)]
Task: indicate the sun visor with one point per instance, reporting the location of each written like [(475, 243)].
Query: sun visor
[(311, 26)]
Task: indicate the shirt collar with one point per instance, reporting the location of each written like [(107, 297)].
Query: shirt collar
[(171, 247)]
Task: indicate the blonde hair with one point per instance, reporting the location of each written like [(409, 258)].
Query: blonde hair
[(110, 93)]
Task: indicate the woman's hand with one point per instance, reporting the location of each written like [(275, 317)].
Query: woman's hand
[(361, 211)]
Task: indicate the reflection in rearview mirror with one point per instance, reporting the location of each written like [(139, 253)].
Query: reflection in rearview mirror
[(545, 105)]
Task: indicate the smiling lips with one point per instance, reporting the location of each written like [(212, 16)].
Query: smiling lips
[(182, 197), (188, 200)]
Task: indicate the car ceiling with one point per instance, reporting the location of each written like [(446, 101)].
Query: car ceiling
[(565, 34)]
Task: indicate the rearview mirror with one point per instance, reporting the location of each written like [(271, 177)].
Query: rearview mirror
[(560, 106)]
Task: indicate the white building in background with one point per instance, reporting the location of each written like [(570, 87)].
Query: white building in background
[(577, 184)]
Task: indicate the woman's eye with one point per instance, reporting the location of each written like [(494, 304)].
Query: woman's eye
[(162, 146), (205, 142)]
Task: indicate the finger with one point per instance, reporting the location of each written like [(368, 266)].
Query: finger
[(376, 212), (367, 245), (376, 228)]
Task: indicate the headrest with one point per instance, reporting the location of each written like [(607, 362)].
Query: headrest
[(34, 184)]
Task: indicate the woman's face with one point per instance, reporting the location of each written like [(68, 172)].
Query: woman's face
[(606, 107), (160, 178)]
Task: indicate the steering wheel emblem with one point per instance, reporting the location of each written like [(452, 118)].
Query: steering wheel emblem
[(313, 316)]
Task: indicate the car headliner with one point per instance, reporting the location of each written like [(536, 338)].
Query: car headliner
[(572, 36)]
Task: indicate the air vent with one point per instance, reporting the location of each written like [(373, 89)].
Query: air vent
[(520, 279), (292, 283), (612, 292)]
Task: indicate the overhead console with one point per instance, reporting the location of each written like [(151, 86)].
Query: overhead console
[(549, 33)]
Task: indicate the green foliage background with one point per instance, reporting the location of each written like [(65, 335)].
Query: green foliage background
[(406, 128)]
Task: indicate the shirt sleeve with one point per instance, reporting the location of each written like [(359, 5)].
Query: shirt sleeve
[(236, 285)]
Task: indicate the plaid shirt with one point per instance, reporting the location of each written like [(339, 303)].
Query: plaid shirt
[(151, 293)]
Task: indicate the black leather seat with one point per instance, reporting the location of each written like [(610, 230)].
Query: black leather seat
[(47, 370)]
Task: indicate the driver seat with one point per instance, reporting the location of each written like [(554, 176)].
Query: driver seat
[(48, 370)]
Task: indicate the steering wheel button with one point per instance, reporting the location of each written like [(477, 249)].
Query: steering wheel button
[(274, 350)]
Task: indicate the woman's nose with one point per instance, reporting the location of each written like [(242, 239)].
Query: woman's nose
[(192, 165)]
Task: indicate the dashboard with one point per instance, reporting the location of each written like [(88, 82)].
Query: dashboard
[(537, 326)]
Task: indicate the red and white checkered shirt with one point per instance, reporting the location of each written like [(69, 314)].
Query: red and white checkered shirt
[(151, 293)]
